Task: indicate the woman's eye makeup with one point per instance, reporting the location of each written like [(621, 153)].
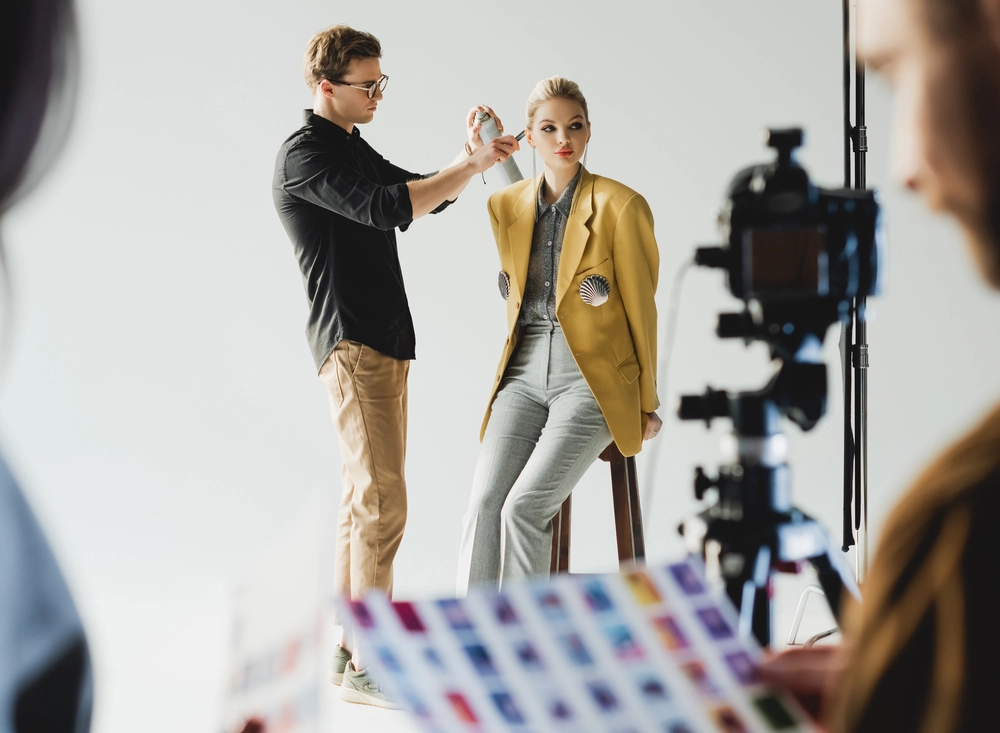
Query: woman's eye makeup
[(574, 126)]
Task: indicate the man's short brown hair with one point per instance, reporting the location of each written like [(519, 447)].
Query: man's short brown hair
[(329, 53)]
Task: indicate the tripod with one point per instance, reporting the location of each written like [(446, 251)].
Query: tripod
[(754, 531)]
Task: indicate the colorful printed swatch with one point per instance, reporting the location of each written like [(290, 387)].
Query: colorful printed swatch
[(643, 590), (652, 650)]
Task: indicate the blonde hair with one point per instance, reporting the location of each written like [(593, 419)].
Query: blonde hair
[(555, 87), (329, 53)]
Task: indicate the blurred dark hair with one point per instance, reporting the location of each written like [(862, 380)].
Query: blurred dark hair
[(38, 62), (38, 65)]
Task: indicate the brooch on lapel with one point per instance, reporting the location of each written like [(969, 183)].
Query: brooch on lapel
[(503, 280), (594, 290)]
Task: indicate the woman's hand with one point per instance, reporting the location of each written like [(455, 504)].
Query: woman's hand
[(808, 673), (475, 141), (653, 425)]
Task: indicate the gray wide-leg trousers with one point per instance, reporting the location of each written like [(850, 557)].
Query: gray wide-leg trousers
[(545, 431)]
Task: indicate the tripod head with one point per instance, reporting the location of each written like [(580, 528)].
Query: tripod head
[(798, 390)]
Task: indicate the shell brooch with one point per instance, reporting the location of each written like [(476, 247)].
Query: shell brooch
[(503, 281), (594, 290)]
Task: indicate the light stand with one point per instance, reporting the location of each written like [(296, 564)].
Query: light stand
[(854, 336)]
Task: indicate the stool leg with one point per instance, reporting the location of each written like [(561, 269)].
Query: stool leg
[(559, 562), (628, 516), (623, 509), (638, 539), (554, 558)]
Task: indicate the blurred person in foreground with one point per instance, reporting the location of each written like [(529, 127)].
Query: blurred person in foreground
[(45, 673), (921, 651)]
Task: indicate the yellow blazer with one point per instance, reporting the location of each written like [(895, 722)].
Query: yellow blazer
[(609, 233)]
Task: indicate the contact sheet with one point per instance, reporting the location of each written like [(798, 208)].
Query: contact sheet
[(645, 650)]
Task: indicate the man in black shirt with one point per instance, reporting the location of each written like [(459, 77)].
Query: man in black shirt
[(340, 203)]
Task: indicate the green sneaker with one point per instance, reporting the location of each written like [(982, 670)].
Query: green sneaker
[(340, 659), (362, 688)]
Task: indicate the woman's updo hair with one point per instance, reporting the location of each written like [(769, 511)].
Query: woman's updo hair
[(555, 87)]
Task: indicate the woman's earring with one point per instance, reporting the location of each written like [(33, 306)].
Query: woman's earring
[(534, 177), (586, 149)]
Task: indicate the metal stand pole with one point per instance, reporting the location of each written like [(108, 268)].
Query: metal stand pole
[(854, 344), (860, 362), (860, 351), (847, 331)]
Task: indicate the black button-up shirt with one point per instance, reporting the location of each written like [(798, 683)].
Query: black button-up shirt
[(340, 202)]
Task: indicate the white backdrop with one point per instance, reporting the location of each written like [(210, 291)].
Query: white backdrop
[(162, 407)]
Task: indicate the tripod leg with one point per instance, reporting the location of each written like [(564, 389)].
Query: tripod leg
[(753, 597)]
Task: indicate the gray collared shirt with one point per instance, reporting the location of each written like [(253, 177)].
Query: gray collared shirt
[(539, 302)]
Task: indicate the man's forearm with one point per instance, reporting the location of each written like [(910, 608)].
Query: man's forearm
[(429, 193), (462, 157)]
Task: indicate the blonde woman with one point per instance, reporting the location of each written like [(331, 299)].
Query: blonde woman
[(579, 267)]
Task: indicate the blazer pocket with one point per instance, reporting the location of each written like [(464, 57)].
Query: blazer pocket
[(600, 268), (629, 369)]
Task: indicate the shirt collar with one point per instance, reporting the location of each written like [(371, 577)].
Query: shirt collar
[(330, 130), (564, 203)]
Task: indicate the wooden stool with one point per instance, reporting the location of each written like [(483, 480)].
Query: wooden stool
[(628, 517)]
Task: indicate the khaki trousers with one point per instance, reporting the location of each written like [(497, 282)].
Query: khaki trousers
[(367, 391)]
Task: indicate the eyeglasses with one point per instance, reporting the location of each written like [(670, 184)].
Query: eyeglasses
[(378, 85)]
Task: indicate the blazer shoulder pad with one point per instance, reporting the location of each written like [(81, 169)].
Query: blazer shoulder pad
[(613, 189), (615, 195), (508, 196)]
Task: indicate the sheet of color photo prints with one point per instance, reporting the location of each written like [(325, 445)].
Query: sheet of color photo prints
[(648, 650)]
